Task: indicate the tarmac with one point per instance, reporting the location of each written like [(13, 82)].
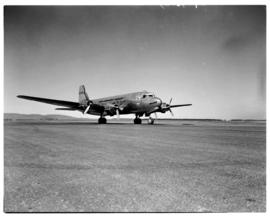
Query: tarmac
[(172, 166)]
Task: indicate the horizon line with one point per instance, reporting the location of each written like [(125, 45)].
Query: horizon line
[(172, 118)]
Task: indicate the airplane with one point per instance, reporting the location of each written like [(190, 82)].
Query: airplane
[(138, 103)]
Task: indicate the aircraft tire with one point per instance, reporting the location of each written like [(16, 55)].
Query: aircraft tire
[(102, 120), (137, 121)]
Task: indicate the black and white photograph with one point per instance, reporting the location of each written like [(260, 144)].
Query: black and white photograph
[(134, 108)]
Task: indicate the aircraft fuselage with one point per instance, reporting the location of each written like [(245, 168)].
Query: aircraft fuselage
[(133, 103)]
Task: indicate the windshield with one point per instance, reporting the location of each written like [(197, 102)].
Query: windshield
[(146, 95)]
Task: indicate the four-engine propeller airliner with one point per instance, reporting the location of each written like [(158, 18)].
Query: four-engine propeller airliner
[(138, 103)]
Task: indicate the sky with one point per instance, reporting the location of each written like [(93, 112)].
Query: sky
[(211, 56)]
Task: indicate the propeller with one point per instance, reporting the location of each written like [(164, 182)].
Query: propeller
[(169, 107), (117, 110), (88, 107), (171, 112), (117, 113), (166, 107), (86, 110)]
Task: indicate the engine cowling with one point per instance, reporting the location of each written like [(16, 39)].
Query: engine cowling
[(110, 111), (164, 107)]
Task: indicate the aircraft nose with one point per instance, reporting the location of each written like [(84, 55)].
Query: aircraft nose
[(159, 102)]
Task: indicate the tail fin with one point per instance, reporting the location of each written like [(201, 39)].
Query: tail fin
[(83, 97)]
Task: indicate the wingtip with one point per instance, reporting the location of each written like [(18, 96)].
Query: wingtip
[(21, 96)]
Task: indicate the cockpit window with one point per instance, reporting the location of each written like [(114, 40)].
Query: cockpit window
[(148, 95)]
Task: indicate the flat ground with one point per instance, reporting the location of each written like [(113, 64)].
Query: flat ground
[(173, 166)]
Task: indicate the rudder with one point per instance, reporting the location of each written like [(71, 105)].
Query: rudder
[(83, 97)]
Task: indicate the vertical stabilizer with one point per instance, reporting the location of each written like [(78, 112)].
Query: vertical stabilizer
[(83, 97)]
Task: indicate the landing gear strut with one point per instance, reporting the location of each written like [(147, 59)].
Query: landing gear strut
[(137, 120), (102, 120), (151, 120)]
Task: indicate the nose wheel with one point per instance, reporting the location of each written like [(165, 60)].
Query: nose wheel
[(102, 120)]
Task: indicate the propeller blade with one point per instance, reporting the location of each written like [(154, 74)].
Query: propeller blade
[(86, 110), (155, 115), (171, 112), (117, 113), (170, 101)]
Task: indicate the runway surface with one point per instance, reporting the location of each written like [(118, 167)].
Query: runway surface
[(173, 166)]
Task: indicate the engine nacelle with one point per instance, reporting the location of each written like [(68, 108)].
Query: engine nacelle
[(110, 110), (164, 107)]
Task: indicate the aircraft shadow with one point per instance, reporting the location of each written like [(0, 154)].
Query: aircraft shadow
[(82, 123)]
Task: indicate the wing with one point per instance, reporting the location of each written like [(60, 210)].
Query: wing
[(166, 108), (173, 106), (69, 104)]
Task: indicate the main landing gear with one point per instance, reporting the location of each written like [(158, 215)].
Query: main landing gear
[(137, 120), (102, 120)]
